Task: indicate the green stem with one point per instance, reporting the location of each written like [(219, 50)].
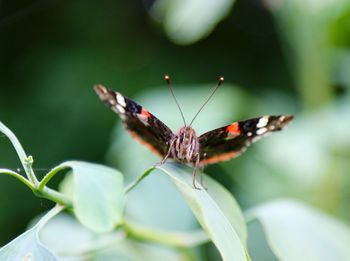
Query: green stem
[(31, 181), (28, 163), (55, 196), (173, 239), (98, 244), (138, 180), (19, 177), (45, 192), (50, 175), (25, 160)]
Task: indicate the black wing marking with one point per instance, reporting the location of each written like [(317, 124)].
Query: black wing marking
[(230, 141), (141, 124)]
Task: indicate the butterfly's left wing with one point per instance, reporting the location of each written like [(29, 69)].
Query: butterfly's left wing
[(141, 124), (230, 141)]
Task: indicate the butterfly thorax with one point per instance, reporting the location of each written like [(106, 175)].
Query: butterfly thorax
[(185, 145)]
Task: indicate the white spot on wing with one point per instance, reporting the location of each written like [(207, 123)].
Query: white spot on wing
[(256, 138), (120, 109), (261, 131), (263, 122), (121, 100)]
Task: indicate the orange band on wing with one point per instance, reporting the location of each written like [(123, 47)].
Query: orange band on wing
[(233, 128), (144, 112), (221, 157), (145, 143)]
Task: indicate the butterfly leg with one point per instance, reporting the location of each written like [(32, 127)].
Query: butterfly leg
[(196, 165), (166, 156), (202, 177)]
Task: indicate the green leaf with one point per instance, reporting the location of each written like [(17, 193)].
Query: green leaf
[(216, 210), (74, 241), (98, 195), (177, 239), (295, 231), (132, 250), (229, 206), (28, 246), (187, 21)]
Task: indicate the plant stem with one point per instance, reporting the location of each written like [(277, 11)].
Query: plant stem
[(19, 177), (45, 192), (25, 160), (27, 164), (55, 196), (49, 175)]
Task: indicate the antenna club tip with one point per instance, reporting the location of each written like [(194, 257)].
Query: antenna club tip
[(167, 78), (221, 80)]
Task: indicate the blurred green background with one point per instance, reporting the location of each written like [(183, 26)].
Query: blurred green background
[(276, 56)]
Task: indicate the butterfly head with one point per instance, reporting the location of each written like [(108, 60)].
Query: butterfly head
[(185, 144)]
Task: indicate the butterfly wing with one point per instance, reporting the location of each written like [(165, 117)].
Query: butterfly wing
[(141, 124), (230, 141)]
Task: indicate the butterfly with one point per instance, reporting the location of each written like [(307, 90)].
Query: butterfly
[(185, 146)]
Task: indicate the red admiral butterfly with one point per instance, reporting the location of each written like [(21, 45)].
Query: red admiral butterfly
[(185, 146)]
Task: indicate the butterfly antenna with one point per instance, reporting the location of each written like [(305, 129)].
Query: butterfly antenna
[(167, 79), (220, 81)]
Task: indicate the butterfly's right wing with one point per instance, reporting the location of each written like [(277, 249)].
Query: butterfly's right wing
[(230, 141), (140, 123)]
